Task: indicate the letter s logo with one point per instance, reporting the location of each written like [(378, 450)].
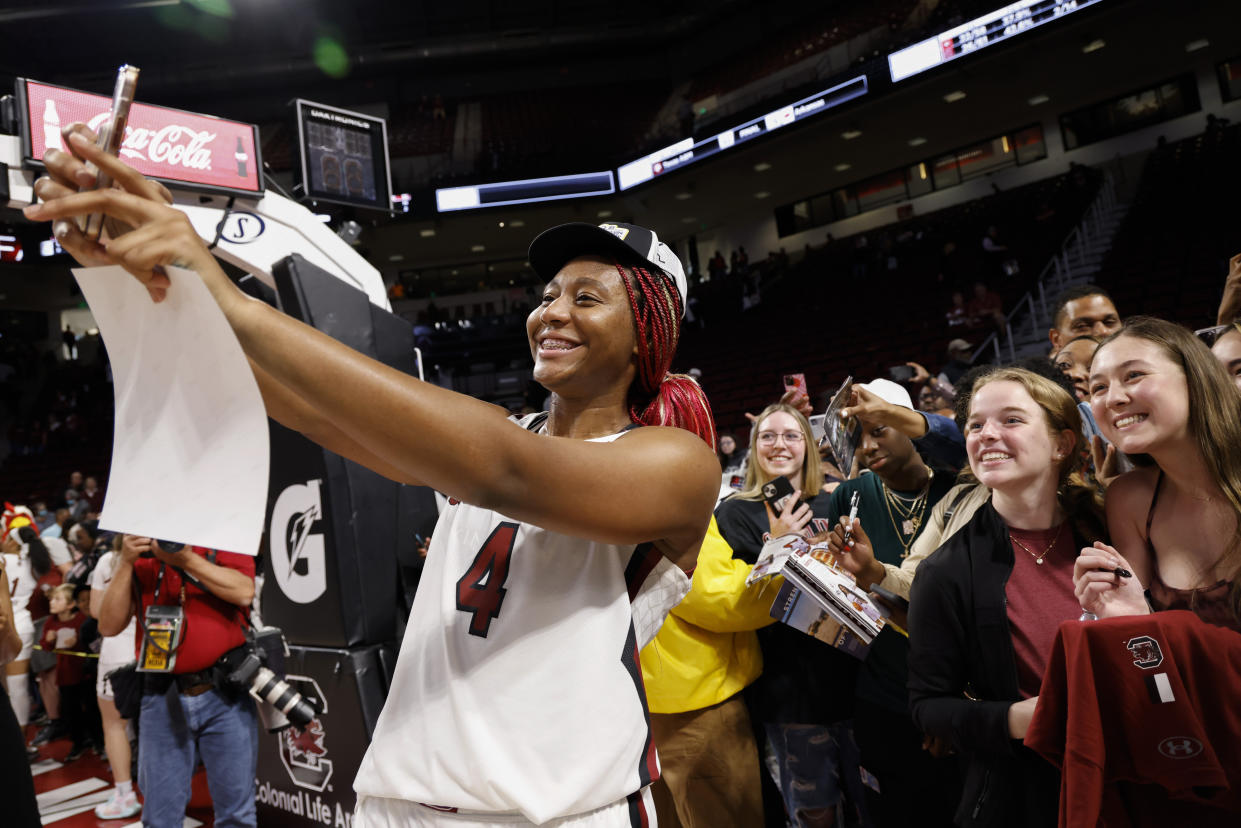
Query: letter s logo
[(296, 510)]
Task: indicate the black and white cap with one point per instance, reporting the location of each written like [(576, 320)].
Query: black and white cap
[(554, 248)]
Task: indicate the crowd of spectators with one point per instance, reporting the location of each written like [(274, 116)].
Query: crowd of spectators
[(998, 501), (1038, 445)]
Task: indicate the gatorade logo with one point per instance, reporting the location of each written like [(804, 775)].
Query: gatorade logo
[(297, 554), (1180, 747)]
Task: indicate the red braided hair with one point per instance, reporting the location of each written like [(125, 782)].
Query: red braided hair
[(657, 397)]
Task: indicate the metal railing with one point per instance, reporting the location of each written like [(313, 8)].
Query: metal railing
[(1074, 254)]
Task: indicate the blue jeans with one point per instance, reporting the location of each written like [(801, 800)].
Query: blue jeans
[(223, 731), (817, 767)]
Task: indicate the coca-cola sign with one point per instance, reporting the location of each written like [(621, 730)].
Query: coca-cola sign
[(180, 148)]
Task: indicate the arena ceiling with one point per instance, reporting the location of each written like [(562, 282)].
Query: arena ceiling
[(248, 65)]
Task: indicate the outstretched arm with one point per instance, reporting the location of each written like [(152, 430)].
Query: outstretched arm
[(655, 483)]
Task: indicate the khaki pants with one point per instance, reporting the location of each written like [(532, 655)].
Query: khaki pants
[(710, 771)]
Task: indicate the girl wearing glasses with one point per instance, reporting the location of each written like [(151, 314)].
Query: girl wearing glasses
[(803, 700)]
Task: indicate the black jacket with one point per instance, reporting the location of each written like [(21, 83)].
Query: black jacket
[(960, 642)]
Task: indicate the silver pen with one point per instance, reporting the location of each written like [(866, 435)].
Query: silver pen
[(853, 504)]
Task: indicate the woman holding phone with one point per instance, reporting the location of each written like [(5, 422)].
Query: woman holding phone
[(985, 606), (802, 701), (517, 695)]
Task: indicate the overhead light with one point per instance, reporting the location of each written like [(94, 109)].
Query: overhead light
[(477, 248), (1195, 45), (1038, 100), (762, 194), (1094, 45), (604, 214), (850, 134), (501, 224), (683, 196), (427, 232), (953, 97), (688, 220), (89, 331), (842, 166), (917, 142), (397, 257), (516, 223), (762, 166)]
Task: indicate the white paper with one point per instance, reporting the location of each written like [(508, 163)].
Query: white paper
[(190, 451)]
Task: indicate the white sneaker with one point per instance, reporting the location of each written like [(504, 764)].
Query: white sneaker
[(119, 807)]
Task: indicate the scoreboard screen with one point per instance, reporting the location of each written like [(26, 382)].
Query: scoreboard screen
[(979, 33), (528, 191), (344, 156), (687, 152)]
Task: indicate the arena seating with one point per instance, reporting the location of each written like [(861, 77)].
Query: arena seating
[(1171, 254), (841, 309), (797, 42), (524, 133)]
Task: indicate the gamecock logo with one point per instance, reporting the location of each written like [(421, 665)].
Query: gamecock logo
[(301, 748), (1146, 652)]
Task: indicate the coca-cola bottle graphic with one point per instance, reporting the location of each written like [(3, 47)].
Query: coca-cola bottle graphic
[(241, 157), (51, 127)]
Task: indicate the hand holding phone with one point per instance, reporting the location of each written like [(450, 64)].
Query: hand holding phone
[(785, 513), (901, 373), (111, 135), (796, 383), (777, 492)]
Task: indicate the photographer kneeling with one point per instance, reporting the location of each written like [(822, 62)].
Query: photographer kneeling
[(191, 606)]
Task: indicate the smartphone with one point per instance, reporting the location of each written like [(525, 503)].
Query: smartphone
[(111, 135), (817, 429), (796, 382), (891, 598), (777, 492), (901, 373)]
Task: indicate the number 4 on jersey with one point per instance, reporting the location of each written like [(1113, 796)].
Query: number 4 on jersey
[(481, 589)]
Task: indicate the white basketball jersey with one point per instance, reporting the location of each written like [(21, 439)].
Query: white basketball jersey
[(518, 687), (21, 579)]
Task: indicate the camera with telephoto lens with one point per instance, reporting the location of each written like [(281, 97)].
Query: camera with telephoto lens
[(165, 545), (258, 668)]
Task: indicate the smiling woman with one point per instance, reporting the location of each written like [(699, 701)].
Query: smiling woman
[(805, 693), (985, 607), (1164, 399), (517, 693)]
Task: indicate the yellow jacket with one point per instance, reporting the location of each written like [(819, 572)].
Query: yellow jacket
[(707, 650)]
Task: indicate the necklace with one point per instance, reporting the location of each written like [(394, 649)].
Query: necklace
[(907, 516), (1038, 559)]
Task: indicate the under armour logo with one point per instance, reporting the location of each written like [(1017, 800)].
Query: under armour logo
[(1146, 652), (1180, 747)]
